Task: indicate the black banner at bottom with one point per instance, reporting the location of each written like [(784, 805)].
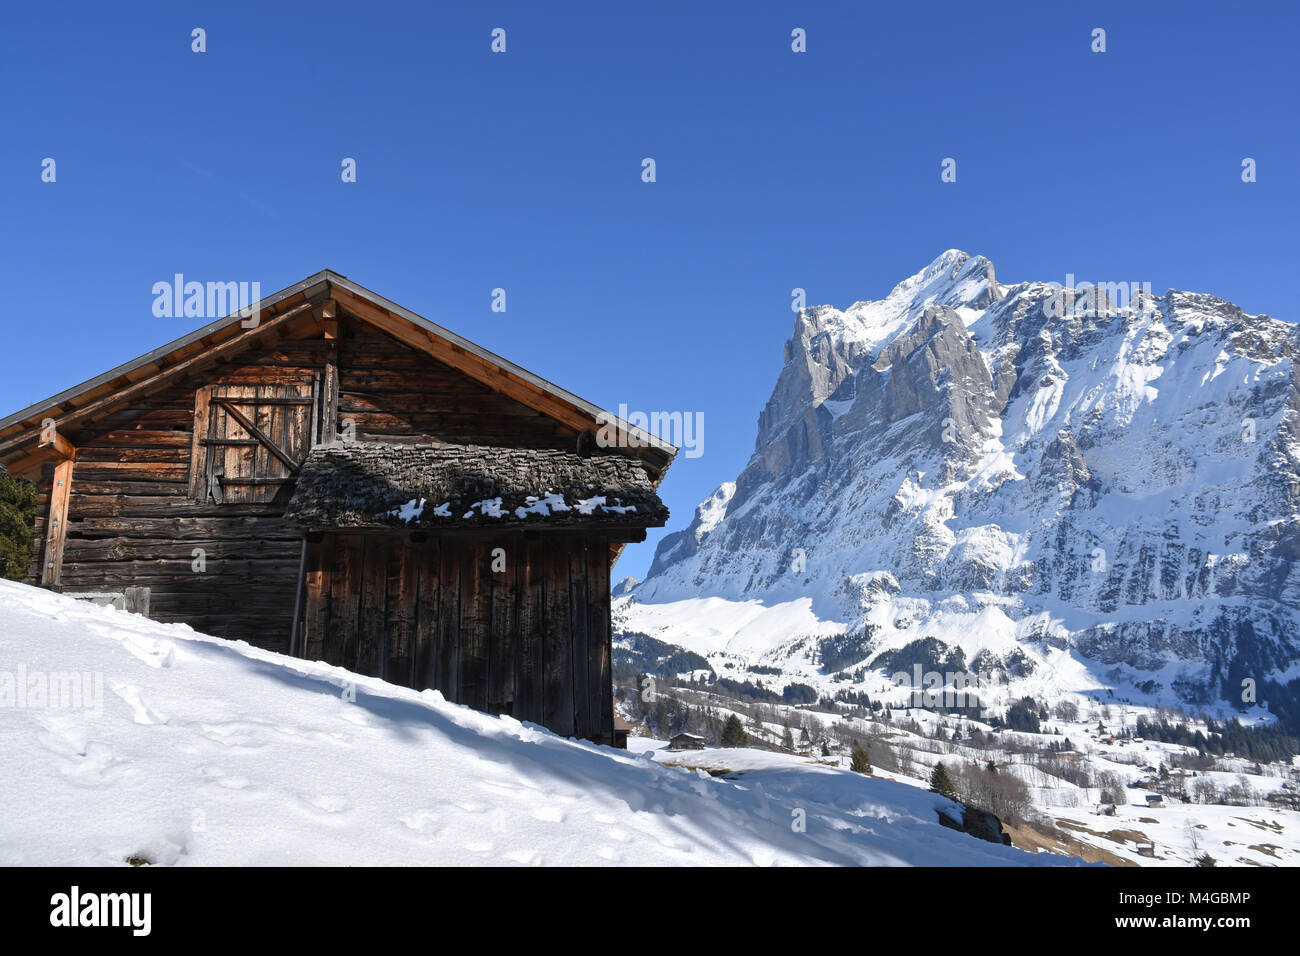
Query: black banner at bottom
[(341, 905)]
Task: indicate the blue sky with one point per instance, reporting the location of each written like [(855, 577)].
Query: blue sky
[(522, 170)]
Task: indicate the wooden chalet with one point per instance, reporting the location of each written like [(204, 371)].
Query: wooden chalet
[(347, 481)]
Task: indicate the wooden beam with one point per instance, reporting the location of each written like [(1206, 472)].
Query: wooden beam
[(297, 602), (198, 452), (254, 482), (329, 428), (263, 401), (60, 446), (56, 533), (57, 448), (323, 306)]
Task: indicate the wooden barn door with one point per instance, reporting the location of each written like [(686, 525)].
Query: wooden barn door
[(256, 439)]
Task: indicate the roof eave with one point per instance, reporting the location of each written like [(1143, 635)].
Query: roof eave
[(32, 413)]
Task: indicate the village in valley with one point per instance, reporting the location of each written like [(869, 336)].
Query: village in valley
[(1076, 778)]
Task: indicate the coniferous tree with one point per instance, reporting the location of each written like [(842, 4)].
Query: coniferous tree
[(17, 525), (733, 733), (941, 783), (860, 762)]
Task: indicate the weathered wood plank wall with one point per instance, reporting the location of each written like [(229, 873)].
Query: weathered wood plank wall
[(393, 393), (531, 640)]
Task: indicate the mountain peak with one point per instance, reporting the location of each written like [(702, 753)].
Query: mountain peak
[(953, 274), (982, 450), (828, 346)]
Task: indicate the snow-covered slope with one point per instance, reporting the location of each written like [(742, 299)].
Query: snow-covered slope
[(1098, 492), (199, 751)]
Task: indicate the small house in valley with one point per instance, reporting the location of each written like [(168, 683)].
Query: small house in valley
[(343, 480)]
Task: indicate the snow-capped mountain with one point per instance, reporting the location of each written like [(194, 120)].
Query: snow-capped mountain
[(1094, 483)]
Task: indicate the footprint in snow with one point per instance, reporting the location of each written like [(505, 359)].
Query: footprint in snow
[(218, 777), (64, 736), (83, 762), (238, 736), (420, 821), (156, 653), (326, 803), (96, 768), (141, 712)]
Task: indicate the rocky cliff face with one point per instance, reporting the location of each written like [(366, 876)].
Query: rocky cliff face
[(986, 464)]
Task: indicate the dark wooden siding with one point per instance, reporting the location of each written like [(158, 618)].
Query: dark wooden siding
[(532, 640), (393, 393), (43, 485)]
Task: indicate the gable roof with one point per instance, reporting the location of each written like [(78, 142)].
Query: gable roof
[(382, 485), (109, 390)]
